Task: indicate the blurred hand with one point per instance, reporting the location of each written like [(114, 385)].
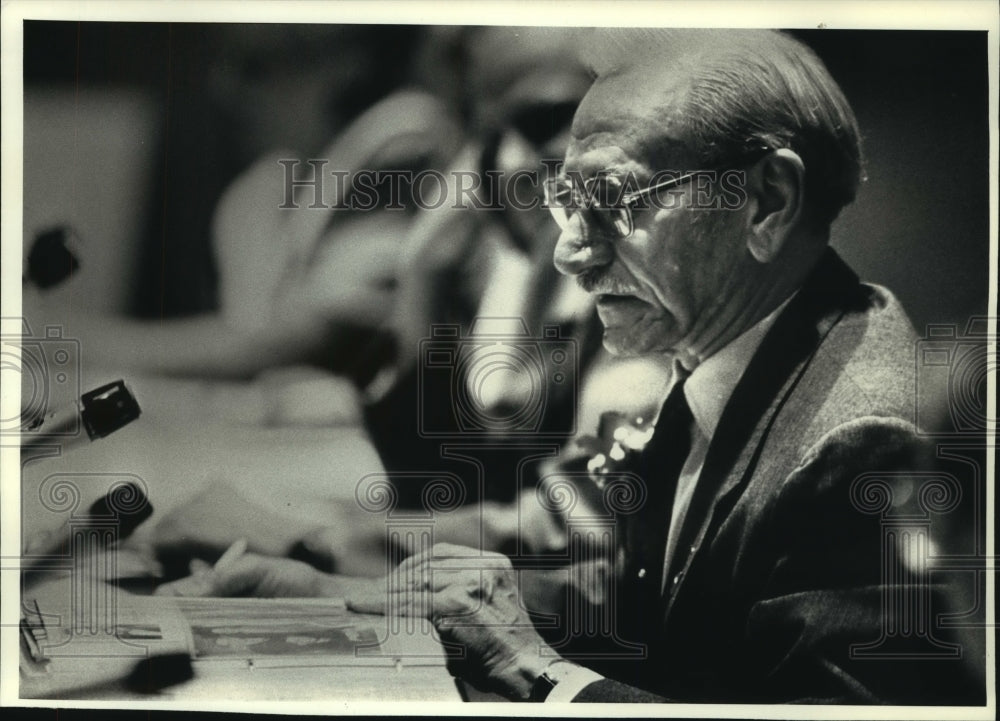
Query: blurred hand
[(539, 530), (441, 238), (473, 600), (249, 575), (441, 256), (352, 273), (216, 516), (252, 249), (265, 577), (275, 262), (307, 396)]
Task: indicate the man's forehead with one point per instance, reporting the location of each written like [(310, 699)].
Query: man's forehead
[(635, 115)]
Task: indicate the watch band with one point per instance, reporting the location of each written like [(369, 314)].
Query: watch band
[(549, 679)]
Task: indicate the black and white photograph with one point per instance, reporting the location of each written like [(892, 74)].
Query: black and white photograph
[(569, 358)]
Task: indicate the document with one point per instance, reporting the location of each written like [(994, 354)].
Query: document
[(104, 643)]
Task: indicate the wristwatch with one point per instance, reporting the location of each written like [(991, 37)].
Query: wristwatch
[(550, 678)]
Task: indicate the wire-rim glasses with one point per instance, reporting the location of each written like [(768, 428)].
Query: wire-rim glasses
[(604, 197)]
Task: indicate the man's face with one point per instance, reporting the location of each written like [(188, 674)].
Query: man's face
[(661, 288)]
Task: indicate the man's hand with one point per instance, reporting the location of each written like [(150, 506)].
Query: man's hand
[(216, 516), (265, 577), (473, 600), (277, 264)]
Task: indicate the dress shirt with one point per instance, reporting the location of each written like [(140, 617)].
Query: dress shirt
[(707, 390)]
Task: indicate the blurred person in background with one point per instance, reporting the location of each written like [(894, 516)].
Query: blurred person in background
[(304, 294), (522, 87), (489, 271), (755, 567), (293, 285)]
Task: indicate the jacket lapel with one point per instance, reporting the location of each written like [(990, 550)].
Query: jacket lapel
[(769, 379)]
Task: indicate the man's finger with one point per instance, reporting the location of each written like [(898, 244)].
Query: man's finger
[(241, 577), (200, 584), (449, 557), (198, 567), (389, 603), (455, 603)]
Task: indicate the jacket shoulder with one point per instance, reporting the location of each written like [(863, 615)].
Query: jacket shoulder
[(864, 368)]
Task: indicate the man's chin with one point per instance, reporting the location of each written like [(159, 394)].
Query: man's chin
[(619, 342)]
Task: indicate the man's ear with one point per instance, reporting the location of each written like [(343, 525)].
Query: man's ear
[(776, 184)]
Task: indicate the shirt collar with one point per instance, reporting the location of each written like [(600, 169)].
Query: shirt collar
[(710, 385)]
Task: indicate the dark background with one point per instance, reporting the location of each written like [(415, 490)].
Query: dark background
[(919, 226)]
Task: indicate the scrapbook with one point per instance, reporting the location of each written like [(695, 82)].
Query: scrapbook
[(100, 642)]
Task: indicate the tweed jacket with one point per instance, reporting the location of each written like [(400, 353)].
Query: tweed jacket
[(780, 576)]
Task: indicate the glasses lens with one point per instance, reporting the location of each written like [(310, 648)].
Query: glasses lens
[(560, 200), (622, 222), (613, 220), (602, 197), (607, 206)]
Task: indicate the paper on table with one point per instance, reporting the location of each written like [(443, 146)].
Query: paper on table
[(330, 651), (318, 632)]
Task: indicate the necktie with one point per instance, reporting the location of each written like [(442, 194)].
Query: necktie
[(645, 537)]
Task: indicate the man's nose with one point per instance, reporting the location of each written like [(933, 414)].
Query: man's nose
[(581, 247)]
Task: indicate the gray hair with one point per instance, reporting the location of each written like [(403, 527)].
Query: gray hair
[(746, 91)]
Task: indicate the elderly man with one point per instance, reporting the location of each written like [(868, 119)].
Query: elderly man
[(751, 573)]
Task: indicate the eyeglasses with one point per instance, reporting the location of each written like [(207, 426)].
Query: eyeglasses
[(603, 197)]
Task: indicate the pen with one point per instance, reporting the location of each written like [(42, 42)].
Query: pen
[(231, 554)]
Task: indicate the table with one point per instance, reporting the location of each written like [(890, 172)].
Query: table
[(88, 639)]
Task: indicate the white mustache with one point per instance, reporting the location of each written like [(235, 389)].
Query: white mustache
[(598, 284)]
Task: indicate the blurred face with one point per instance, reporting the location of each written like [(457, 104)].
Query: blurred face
[(664, 287), (526, 85), (537, 133)]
